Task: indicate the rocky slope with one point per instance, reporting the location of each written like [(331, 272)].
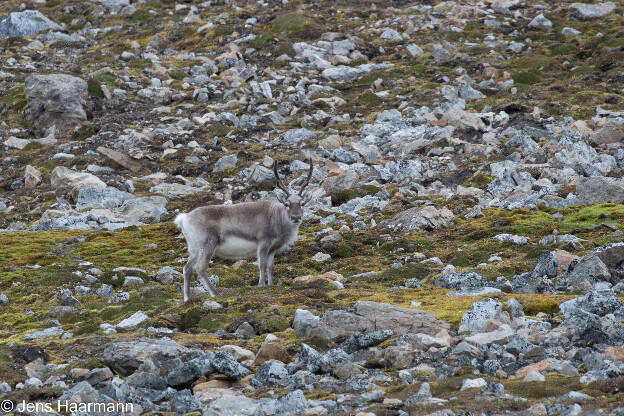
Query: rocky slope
[(462, 252)]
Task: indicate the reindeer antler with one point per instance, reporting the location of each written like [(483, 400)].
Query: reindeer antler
[(278, 181), (307, 181)]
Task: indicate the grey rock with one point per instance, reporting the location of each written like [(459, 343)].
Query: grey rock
[(184, 402), (55, 100), (516, 309), (295, 137), (290, 404), (106, 291), (270, 374), (367, 316), (245, 330), (135, 319), (597, 303), (44, 333), (303, 322), (583, 11), (223, 363), (540, 21), (226, 162), (126, 357), (474, 320), (425, 218), (26, 23), (391, 34), (187, 372), (462, 281), (347, 73), (108, 197)]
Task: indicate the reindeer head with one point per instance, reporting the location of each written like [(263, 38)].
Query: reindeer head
[(293, 202)]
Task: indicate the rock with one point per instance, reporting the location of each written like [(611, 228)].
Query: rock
[(596, 189), (132, 281), (516, 309), (534, 375), (303, 322), (588, 269), (183, 402), (360, 341), (462, 281), (271, 350), (62, 176), (4, 299), (474, 320), (347, 73), (611, 132), (499, 336), (26, 23), (167, 275), (135, 319), (513, 239), (425, 218), (44, 333), (32, 177), (367, 316), (583, 11), (318, 257), (472, 383), (99, 377), (108, 197), (245, 330), (126, 357), (270, 374), (120, 159), (238, 353), (232, 405), (16, 143), (611, 254), (223, 363), (315, 280), (55, 100), (391, 34), (597, 303), (540, 21), (570, 31), (294, 138), (226, 162), (176, 190), (414, 50), (344, 180)]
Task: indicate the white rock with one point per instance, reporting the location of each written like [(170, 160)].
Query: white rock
[(136, 319), (473, 383)]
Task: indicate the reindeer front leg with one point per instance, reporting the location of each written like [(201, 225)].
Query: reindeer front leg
[(263, 254), (270, 266)]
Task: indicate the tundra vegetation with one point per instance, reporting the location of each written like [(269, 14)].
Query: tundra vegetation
[(461, 252)]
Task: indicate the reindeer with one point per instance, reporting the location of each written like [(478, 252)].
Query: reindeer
[(260, 228)]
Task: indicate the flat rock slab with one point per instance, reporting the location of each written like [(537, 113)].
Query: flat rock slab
[(125, 357), (368, 316)]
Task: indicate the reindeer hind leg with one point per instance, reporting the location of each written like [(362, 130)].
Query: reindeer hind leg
[(204, 257)]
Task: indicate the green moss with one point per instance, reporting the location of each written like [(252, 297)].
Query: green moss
[(529, 77), (562, 49), (290, 22), (553, 386), (141, 16), (344, 195), (344, 251), (260, 40), (94, 88)]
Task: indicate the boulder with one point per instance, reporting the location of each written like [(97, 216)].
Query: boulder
[(611, 132), (368, 316), (480, 312), (126, 357), (32, 177), (303, 322), (425, 218), (584, 11), (594, 189), (62, 176), (271, 350), (55, 100), (26, 23)]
